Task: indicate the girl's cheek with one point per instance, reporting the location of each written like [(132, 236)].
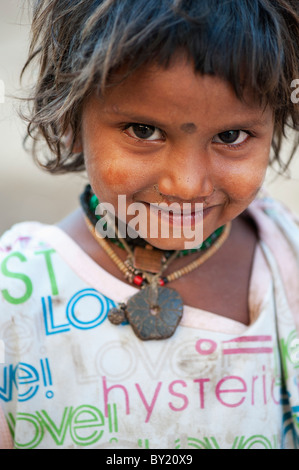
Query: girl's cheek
[(246, 191), (244, 185), (110, 176)]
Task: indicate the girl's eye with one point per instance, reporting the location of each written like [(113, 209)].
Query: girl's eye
[(144, 132), (232, 138)]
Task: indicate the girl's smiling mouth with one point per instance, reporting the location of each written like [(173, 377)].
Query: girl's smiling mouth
[(179, 215)]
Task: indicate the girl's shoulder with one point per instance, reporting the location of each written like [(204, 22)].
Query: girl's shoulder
[(278, 230), (274, 220), (21, 237)]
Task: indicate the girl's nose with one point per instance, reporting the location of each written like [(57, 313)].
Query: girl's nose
[(186, 177)]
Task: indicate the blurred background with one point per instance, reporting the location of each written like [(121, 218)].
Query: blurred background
[(26, 192)]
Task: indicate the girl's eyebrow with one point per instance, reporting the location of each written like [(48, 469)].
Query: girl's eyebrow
[(258, 122), (138, 118), (191, 127)]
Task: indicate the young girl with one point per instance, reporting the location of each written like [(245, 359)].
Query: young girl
[(117, 336)]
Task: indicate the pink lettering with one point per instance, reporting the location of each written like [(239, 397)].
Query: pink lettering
[(176, 394), (261, 349), (201, 390), (254, 378), (219, 390), (106, 392), (205, 346), (264, 387), (149, 408)]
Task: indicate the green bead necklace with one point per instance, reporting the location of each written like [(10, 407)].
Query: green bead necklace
[(207, 243)]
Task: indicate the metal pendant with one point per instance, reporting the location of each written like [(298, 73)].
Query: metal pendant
[(151, 317)]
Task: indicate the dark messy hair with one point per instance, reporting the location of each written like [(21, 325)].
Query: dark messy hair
[(78, 44)]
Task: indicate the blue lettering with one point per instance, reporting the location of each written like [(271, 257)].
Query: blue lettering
[(48, 313), (24, 376), (77, 304), (26, 379), (79, 297), (6, 390)]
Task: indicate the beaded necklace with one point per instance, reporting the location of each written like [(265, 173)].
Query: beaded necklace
[(90, 202), (155, 311)]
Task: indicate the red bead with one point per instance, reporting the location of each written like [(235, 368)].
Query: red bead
[(161, 282), (138, 280)]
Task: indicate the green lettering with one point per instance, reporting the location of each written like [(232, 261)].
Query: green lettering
[(11, 424), (57, 433), (22, 277), (202, 444), (286, 352), (112, 418), (47, 254), (84, 419), (256, 440), (36, 433)]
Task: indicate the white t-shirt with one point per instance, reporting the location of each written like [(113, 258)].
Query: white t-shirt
[(71, 379)]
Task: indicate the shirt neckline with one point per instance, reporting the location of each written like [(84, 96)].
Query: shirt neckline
[(115, 289)]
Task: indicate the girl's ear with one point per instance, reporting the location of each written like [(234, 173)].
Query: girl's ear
[(67, 141)]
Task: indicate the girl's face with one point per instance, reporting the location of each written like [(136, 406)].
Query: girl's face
[(173, 136)]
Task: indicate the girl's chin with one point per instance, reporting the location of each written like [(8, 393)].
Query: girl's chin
[(169, 237), (171, 244)]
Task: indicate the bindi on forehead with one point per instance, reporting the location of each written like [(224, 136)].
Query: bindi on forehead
[(188, 127)]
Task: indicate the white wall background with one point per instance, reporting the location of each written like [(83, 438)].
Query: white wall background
[(27, 193)]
